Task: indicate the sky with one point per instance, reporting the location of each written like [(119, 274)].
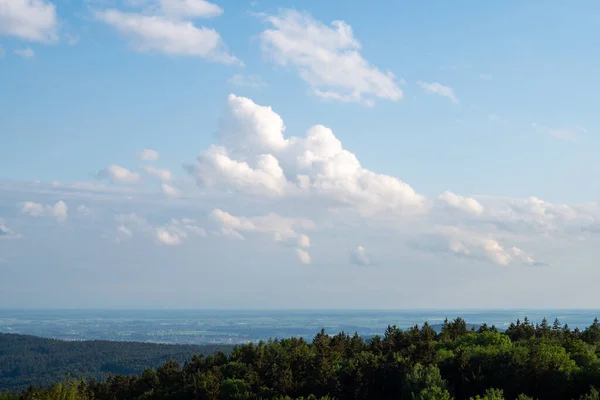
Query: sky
[(299, 154)]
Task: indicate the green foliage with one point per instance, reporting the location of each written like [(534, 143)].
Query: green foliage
[(545, 361), (490, 394), (29, 360)]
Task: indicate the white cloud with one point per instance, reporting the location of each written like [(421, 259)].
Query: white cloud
[(6, 233), (190, 8), (154, 33), (58, 210), (258, 160), (465, 204), (120, 175), (31, 20), (252, 81), (303, 256), (303, 241), (170, 236), (170, 191), (282, 229), (148, 155), (485, 76), (172, 233), (358, 256), (25, 53), (439, 89), (569, 133), (2, 52), (163, 174), (480, 246), (327, 58)]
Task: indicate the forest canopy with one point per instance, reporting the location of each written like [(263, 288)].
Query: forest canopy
[(527, 361)]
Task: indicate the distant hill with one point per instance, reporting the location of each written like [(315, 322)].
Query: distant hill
[(29, 360)]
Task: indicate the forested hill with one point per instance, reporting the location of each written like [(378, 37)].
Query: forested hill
[(26, 360), (527, 361)]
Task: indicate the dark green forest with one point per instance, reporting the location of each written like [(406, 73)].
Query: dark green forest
[(29, 360), (527, 361)]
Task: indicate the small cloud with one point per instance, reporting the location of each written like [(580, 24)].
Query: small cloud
[(169, 237), (120, 175), (168, 35), (358, 256), (252, 81), (148, 155), (439, 89), (327, 58), (303, 256), (465, 204), (2, 52), (6, 233), (58, 210), (30, 20), (485, 76), (25, 53), (170, 191), (303, 241)]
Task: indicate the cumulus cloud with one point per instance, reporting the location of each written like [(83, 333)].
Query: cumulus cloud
[(159, 34), (466, 204), (171, 233), (439, 89), (25, 53), (59, 210), (31, 20), (475, 245), (120, 175), (169, 190), (303, 256), (252, 81), (148, 155), (281, 228), (358, 256), (163, 174), (6, 232), (327, 58), (257, 159)]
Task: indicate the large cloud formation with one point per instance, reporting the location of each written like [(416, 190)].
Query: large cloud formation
[(255, 159), (299, 191)]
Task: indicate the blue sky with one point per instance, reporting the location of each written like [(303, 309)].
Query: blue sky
[(443, 147)]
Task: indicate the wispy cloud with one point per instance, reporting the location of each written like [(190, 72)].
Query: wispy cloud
[(569, 133), (439, 89), (253, 81), (25, 53)]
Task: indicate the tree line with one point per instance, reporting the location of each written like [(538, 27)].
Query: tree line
[(527, 361)]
